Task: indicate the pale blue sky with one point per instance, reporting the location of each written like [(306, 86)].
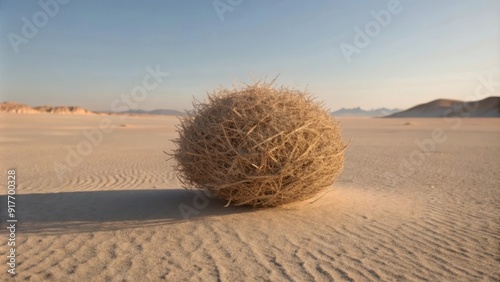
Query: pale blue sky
[(91, 52)]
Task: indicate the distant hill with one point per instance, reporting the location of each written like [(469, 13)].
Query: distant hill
[(12, 107), (489, 107), (18, 108), (365, 113), (63, 110)]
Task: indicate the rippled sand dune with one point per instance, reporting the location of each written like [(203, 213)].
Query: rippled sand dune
[(118, 213)]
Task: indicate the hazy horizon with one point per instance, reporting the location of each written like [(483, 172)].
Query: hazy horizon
[(182, 110), (393, 54)]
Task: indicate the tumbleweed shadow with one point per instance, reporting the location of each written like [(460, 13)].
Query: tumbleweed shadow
[(90, 211)]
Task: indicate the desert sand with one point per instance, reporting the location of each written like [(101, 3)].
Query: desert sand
[(118, 213)]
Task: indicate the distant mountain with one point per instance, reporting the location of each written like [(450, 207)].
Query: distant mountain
[(154, 112), (365, 113), (489, 107)]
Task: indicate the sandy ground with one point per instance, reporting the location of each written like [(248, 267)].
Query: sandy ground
[(117, 212)]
